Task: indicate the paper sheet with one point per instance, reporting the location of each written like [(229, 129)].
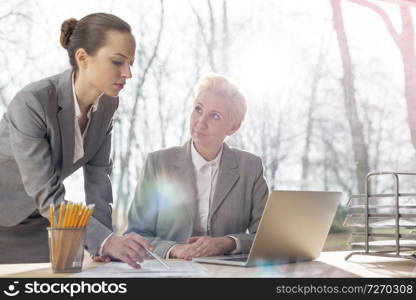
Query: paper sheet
[(149, 268)]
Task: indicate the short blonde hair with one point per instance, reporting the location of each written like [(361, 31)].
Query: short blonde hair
[(225, 88)]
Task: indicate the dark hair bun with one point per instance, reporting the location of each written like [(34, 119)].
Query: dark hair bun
[(67, 28)]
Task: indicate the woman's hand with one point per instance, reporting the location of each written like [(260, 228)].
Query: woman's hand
[(128, 248), (101, 258), (203, 246)]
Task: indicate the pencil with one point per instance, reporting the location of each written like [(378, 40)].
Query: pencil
[(90, 214), (86, 215), (155, 256), (66, 215), (61, 213), (83, 216), (81, 213), (71, 214), (74, 215), (52, 233), (52, 215)]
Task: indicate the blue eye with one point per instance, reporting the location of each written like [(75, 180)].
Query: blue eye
[(216, 116)]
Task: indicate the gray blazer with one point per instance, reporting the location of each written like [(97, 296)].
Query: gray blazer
[(37, 149), (165, 203)]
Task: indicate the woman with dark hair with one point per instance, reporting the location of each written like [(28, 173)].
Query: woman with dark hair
[(56, 125)]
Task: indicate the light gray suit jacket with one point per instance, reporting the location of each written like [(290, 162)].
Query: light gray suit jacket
[(165, 204), (37, 150)]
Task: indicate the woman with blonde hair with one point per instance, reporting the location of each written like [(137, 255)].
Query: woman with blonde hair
[(201, 198)]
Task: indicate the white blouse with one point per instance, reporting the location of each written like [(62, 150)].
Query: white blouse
[(79, 137)]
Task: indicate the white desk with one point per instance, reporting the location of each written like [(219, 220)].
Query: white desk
[(329, 264)]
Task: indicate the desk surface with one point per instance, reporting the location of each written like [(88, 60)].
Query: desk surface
[(329, 264)]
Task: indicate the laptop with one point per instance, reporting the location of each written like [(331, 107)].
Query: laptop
[(293, 228)]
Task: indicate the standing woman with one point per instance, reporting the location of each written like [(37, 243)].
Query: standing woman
[(56, 125)]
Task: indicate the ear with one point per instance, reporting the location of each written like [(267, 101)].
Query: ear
[(234, 128), (81, 56)]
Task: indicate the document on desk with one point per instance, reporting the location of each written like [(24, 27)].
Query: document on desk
[(149, 268)]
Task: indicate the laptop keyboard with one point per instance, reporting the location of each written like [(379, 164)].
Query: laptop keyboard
[(235, 259)]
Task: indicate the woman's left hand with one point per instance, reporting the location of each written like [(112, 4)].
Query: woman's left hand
[(208, 246)]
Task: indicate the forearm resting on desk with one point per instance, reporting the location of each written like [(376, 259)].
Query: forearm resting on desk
[(203, 246)]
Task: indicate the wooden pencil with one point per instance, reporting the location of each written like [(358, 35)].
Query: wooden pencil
[(66, 215), (63, 242), (53, 242), (61, 213), (81, 216), (74, 216), (89, 214), (52, 215), (56, 249)]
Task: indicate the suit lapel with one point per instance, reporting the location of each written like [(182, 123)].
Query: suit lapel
[(184, 169), (95, 127), (66, 116), (227, 177)]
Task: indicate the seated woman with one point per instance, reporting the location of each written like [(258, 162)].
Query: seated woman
[(200, 199)]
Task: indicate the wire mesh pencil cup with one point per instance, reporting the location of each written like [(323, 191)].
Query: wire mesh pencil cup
[(66, 249), (67, 236)]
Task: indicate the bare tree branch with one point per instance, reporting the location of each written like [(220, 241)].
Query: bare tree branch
[(123, 193), (394, 34), (17, 14), (210, 43), (225, 37), (356, 128), (406, 45), (200, 26)]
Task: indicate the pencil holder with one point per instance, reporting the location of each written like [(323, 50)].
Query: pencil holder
[(66, 249)]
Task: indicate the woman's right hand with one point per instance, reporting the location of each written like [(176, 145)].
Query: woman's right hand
[(128, 248)]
